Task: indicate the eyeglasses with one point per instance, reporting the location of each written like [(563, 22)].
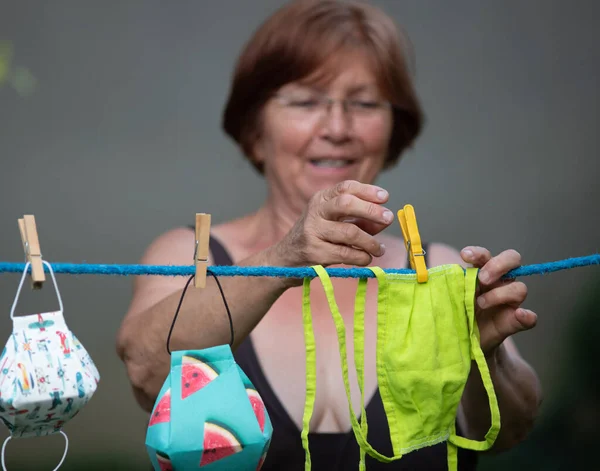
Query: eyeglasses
[(316, 105)]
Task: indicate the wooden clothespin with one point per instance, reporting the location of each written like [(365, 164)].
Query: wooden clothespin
[(201, 251), (31, 246), (412, 242)]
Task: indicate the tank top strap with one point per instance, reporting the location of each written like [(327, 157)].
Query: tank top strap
[(219, 253)]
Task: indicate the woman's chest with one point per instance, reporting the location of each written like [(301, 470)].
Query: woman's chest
[(280, 348)]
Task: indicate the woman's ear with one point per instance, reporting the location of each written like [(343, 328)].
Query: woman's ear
[(258, 148), (258, 154)]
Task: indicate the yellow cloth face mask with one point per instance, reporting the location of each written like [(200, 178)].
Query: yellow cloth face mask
[(427, 337)]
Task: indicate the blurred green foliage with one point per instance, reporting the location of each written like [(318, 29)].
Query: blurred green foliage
[(20, 78)]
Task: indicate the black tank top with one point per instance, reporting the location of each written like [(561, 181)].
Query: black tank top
[(331, 451)]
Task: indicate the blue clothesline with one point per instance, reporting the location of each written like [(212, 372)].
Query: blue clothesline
[(282, 272)]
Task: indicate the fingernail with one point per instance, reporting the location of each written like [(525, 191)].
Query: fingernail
[(481, 302), (523, 316), (387, 216), (382, 194), (524, 313), (483, 277), (382, 248), (468, 253)]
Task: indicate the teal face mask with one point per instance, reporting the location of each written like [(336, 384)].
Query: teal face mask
[(208, 415), (426, 339)]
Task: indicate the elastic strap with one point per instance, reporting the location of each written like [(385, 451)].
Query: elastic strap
[(60, 304), (341, 332), (452, 455), (59, 464), (311, 370), (359, 358), (181, 302), (382, 378), (477, 355)]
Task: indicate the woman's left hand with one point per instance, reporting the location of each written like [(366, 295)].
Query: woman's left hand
[(498, 302)]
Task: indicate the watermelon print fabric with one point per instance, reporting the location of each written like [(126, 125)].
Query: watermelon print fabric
[(208, 415)]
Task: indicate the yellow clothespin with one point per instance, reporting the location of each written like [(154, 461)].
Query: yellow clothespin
[(412, 242), (31, 246), (201, 251)]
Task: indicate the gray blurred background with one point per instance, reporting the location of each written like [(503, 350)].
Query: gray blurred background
[(110, 135)]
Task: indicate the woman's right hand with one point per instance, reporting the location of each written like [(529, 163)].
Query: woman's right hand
[(338, 227)]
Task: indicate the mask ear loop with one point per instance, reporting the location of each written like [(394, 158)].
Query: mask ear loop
[(340, 327), (60, 304), (181, 302), (60, 462), (359, 358), (477, 355)]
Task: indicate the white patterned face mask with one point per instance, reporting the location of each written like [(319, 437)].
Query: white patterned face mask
[(46, 376)]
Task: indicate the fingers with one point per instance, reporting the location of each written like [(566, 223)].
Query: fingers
[(351, 200), (510, 294), (504, 323), (476, 256), (492, 268), (363, 191), (370, 227), (499, 313), (345, 243), (343, 254), (498, 266), (346, 207), (348, 234), (526, 317), (338, 226)]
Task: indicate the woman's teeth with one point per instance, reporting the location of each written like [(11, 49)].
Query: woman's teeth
[(333, 163)]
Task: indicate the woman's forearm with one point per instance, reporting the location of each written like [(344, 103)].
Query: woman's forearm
[(519, 397), (202, 322)]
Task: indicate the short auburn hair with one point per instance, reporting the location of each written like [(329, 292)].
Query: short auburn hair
[(305, 36)]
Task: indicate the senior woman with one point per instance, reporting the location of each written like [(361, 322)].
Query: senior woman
[(322, 100)]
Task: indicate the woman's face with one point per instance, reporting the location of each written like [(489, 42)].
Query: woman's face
[(308, 144)]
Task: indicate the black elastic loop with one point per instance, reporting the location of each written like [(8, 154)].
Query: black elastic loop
[(181, 301)]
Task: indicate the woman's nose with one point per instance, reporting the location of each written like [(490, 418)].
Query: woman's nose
[(337, 122)]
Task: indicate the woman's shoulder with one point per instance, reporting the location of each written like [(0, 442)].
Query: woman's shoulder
[(178, 241), (172, 247)]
